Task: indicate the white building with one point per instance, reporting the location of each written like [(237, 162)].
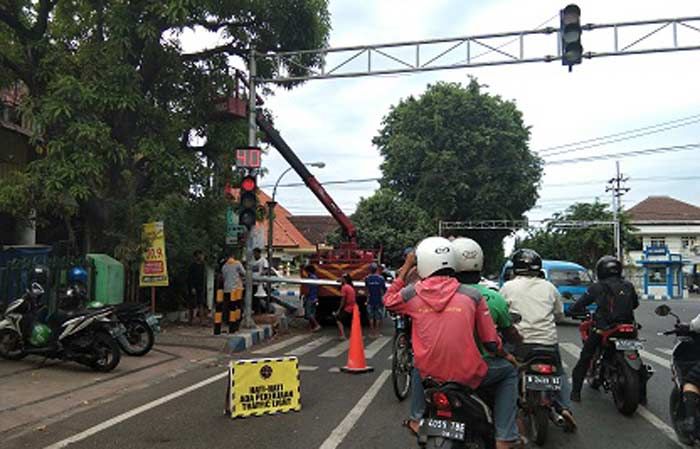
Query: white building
[(664, 222)]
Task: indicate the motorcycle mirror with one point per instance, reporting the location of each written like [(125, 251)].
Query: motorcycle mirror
[(662, 310), (515, 317)]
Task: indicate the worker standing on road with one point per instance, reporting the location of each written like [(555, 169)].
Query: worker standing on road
[(347, 304), (445, 318), (376, 287), (196, 283), (311, 299), (539, 304)]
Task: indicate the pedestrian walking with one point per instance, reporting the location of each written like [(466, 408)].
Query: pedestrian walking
[(347, 304), (311, 300), (196, 285)]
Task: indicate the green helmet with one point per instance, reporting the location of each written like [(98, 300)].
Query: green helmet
[(40, 335)]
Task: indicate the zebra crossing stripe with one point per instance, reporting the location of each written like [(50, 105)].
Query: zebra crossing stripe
[(281, 345), (655, 358), (376, 346), (310, 346), (666, 351), (336, 350)]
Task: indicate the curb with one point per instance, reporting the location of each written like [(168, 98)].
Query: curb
[(247, 338)]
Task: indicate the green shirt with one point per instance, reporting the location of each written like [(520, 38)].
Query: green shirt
[(498, 308)]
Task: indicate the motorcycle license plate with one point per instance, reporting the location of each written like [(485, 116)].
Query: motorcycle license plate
[(542, 383), (441, 428), (628, 345)]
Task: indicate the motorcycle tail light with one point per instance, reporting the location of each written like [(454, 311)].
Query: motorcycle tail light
[(543, 369), (442, 404), (625, 328), (632, 356)]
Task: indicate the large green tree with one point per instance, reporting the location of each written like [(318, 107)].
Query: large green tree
[(460, 153), (582, 245), (124, 119), (388, 221)]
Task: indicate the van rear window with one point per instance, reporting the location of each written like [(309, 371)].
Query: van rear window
[(570, 278)]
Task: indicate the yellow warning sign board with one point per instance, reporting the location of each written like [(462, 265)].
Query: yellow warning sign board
[(263, 386)]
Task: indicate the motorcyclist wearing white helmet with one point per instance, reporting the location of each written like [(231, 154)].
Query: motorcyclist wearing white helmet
[(447, 318)]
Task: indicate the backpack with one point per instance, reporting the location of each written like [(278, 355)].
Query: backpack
[(620, 301)]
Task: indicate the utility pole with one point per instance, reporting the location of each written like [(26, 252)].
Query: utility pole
[(252, 142), (615, 185)]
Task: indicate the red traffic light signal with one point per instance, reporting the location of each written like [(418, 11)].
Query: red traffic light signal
[(249, 202)]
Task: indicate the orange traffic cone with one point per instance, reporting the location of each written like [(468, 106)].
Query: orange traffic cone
[(356, 355)]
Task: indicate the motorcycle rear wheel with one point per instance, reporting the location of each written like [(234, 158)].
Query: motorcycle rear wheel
[(11, 347), (538, 425), (138, 339), (626, 388), (107, 353), (445, 443), (675, 406)]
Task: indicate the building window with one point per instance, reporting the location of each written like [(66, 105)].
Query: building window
[(657, 276), (688, 241), (658, 241)]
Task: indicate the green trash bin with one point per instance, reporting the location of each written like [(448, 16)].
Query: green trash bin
[(108, 279)]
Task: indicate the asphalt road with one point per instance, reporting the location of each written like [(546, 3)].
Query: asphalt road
[(340, 410)]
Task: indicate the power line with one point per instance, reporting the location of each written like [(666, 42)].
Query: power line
[(580, 142), (621, 139), (635, 153)]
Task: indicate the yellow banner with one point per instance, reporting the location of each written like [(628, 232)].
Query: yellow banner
[(154, 268), (264, 386)]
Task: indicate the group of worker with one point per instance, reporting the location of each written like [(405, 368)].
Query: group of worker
[(463, 332)]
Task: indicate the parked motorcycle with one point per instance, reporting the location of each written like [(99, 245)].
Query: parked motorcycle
[(139, 323), (456, 416), (84, 337), (539, 383), (684, 351), (617, 365)]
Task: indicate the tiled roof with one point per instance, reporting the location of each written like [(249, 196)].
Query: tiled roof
[(315, 228), (664, 208)]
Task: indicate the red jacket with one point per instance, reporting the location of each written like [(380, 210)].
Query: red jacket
[(445, 315)]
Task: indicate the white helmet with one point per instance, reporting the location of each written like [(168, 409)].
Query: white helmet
[(469, 255), (433, 254)]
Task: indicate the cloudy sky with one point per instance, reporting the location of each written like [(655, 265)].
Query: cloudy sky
[(334, 120)]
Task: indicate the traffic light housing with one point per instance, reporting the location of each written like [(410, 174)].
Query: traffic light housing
[(570, 35), (247, 215)]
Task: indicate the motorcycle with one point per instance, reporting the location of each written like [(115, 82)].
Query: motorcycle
[(539, 382), (617, 365), (685, 350), (84, 337), (456, 416), (140, 325)]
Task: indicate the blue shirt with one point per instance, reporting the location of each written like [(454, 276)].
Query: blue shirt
[(375, 289), (313, 290)]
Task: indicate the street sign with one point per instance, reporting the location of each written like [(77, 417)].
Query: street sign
[(233, 229), (248, 157), (263, 386)]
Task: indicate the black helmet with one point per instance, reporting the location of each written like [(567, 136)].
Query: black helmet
[(526, 261), (608, 266)]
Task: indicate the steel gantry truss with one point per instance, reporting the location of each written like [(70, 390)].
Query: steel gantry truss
[(625, 38), (515, 225)]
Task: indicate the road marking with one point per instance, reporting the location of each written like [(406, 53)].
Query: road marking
[(376, 346), (307, 368), (666, 351), (641, 411), (339, 433), (565, 365), (655, 358), (658, 423), (334, 370), (281, 345), (391, 357), (310, 346), (124, 416), (336, 350)]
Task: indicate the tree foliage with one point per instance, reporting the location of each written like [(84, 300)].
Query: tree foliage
[(583, 246), (117, 105), (391, 222), (460, 153)]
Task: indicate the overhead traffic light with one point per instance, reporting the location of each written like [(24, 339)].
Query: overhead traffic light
[(249, 201), (570, 34)]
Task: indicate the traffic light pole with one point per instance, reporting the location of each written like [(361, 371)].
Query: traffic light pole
[(252, 142)]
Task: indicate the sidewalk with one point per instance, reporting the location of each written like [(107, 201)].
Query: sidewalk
[(202, 337)]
